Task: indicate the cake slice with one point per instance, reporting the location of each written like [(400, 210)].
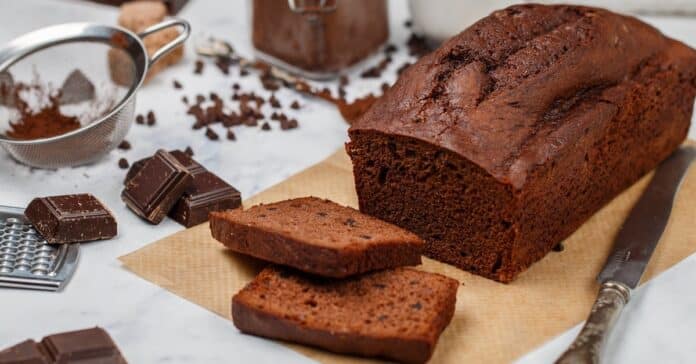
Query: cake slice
[(396, 314), (316, 236)]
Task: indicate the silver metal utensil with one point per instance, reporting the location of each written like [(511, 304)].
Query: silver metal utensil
[(633, 246), (97, 138), (26, 260)]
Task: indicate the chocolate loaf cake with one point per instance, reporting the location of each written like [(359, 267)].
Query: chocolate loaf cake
[(396, 314), (505, 140), (316, 236)]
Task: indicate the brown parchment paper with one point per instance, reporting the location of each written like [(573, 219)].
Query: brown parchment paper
[(493, 323)]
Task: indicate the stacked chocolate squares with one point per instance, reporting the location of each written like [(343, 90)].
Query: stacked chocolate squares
[(172, 183), (338, 281)]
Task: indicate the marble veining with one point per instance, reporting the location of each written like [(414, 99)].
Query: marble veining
[(152, 325)]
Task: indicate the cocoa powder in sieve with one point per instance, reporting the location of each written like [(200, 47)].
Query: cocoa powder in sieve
[(45, 123)]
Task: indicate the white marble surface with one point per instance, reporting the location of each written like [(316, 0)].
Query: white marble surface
[(152, 325)]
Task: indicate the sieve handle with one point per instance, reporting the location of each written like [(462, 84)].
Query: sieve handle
[(179, 40)]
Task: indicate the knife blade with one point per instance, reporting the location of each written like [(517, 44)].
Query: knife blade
[(642, 229), (633, 246)]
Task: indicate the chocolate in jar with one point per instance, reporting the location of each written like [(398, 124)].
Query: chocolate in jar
[(318, 38)]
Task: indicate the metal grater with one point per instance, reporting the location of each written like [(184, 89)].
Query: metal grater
[(26, 260)]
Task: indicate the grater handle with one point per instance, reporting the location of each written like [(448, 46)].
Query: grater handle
[(176, 42)]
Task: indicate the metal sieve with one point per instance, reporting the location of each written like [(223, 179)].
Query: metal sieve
[(96, 138)]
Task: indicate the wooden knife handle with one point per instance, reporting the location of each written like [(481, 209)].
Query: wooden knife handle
[(589, 343)]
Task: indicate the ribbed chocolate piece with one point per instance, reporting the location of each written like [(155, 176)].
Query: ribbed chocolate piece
[(207, 193), (26, 352), (71, 218), (154, 190), (83, 346), (89, 346)]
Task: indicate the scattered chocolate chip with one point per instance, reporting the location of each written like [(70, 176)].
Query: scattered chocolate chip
[(275, 103), (343, 81), (151, 120), (214, 96), (390, 48), (243, 72), (376, 71), (342, 93), (123, 163), (266, 126), (211, 134), (385, 86), (230, 135), (198, 67), (417, 46), (177, 85), (295, 105), (224, 64), (269, 82), (559, 247), (235, 97), (184, 99), (289, 124), (235, 86), (200, 99), (408, 23), (139, 119), (124, 145), (188, 151)]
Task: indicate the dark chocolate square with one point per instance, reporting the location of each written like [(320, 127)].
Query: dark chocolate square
[(84, 346), (209, 193), (154, 190), (71, 218)]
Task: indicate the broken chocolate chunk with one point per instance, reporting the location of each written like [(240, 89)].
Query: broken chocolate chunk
[(71, 218), (84, 346), (154, 190)]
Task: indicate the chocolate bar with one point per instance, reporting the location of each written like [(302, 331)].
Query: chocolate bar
[(71, 218), (207, 193), (154, 190), (83, 346)]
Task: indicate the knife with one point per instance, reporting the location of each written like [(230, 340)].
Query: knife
[(633, 246)]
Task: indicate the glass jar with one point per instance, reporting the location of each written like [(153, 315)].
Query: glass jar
[(318, 38)]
